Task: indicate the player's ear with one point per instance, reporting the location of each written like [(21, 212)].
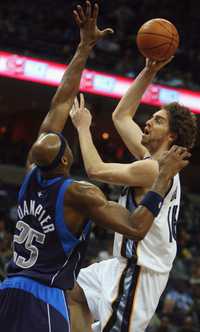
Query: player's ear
[(64, 160)]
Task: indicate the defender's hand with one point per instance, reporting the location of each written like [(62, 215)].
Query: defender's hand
[(174, 160), (87, 22), (80, 115)]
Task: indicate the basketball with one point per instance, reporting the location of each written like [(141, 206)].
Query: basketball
[(157, 39)]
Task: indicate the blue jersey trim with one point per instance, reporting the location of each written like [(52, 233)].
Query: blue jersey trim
[(25, 183), (87, 228), (132, 205), (52, 296), (46, 182), (68, 240)]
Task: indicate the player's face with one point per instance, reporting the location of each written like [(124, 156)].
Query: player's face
[(156, 131)]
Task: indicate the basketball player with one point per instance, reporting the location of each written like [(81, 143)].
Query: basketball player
[(122, 293), (54, 211)]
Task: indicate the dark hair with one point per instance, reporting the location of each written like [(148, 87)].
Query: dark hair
[(183, 123)]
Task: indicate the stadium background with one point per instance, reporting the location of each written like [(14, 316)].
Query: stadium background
[(45, 30)]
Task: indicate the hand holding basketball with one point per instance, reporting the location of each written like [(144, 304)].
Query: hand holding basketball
[(154, 66), (157, 39)]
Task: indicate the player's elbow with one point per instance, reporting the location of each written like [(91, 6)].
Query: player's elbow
[(92, 173), (138, 235), (139, 232), (115, 117), (97, 172), (141, 235), (120, 119)]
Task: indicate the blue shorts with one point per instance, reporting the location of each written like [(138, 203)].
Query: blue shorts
[(28, 306)]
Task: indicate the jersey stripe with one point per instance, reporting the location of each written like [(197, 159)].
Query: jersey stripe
[(47, 294), (122, 306)]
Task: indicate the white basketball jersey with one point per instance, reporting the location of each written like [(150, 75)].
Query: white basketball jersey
[(158, 249)]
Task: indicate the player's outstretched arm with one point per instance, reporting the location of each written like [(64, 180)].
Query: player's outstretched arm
[(91, 202), (123, 115), (140, 173), (86, 19)]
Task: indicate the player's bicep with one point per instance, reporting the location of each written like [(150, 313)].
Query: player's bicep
[(111, 215), (84, 196), (93, 204), (131, 135), (137, 174), (144, 173)]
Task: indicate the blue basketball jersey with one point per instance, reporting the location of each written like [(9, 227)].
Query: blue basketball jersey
[(44, 249)]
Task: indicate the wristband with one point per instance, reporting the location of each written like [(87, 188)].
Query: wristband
[(153, 202)]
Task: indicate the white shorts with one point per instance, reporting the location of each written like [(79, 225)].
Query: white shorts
[(121, 296)]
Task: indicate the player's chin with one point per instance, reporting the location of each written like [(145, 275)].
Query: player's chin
[(145, 139)]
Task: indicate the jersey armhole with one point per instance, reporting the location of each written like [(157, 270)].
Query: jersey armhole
[(170, 187), (68, 240)]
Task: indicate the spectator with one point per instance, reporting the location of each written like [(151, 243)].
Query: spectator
[(5, 246), (188, 325), (178, 301), (53, 36)]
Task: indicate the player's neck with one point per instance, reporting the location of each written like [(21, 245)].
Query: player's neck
[(55, 174), (158, 153)]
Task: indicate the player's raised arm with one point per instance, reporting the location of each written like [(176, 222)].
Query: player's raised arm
[(123, 115), (86, 19), (141, 173), (91, 202)]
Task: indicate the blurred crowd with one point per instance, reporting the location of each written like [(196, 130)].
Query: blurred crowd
[(179, 308), (45, 28)]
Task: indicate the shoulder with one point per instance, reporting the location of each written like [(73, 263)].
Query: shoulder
[(82, 186), (82, 191)]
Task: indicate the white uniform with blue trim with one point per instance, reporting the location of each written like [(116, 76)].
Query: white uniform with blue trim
[(158, 249), (123, 292)]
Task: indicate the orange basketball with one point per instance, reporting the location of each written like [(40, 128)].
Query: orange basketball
[(157, 39)]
